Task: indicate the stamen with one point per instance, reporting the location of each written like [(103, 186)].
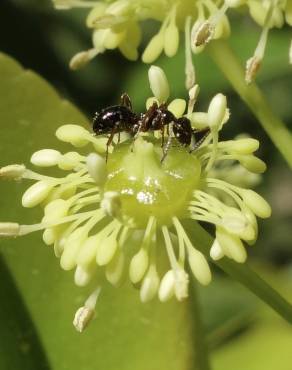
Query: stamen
[(189, 66), (9, 229), (180, 276), (12, 172), (85, 313), (253, 64)]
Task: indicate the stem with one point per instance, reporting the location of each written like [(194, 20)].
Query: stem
[(231, 67), (201, 360), (241, 272)]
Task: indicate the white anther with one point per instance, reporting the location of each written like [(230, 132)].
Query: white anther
[(9, 229), (85, 314), (12, 172), (158, 83), (96, 166)]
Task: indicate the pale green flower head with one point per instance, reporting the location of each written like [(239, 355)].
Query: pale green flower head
[(121, 217), (117, 25)]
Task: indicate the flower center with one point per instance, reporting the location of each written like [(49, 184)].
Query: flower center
[(148, 187)]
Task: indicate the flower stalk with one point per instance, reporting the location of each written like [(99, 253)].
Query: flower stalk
[(242, 273), (253, 97)]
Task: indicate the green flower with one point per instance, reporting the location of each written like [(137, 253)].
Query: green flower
[(125, 215)]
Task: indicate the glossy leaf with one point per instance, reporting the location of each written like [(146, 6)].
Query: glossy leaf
[(126, 334)]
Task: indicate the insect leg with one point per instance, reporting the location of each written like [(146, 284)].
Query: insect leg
[(167, 146), (110, 139), (199, 136)]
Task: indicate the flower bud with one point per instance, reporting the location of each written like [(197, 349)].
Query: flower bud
[(167, 286), (138, 266), (158, 83), (96, 166), (45, 158), (150, 285), (199, 266), (106, 250), (35, 194), (73, 134), (259, 206), (217, 111)]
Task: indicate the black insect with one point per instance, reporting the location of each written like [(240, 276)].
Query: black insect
[(121, 118)]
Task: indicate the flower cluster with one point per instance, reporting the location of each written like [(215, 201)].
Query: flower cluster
[(126, 214), (116, 24)]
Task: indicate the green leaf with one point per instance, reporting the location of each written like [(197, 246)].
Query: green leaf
[(126, 334)]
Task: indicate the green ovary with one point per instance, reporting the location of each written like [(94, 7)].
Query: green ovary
[(149, 188)]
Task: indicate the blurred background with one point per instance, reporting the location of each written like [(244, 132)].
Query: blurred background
[(43, 40)]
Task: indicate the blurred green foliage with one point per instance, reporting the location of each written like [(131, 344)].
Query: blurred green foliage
[(38, 299)]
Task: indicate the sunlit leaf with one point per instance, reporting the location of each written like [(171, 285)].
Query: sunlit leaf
[(126, 334)]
